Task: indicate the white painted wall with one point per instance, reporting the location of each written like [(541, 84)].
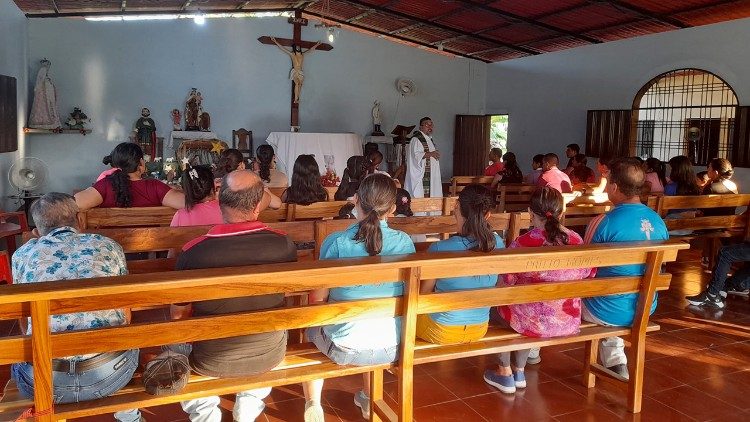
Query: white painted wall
[(112, 69), (547, 96), (13, 53)]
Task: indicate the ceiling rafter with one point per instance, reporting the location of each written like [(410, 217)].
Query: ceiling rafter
[(242, 5), (704, 7), (518, 18), (407, 28), (185, 5), (370, 11), (123, 5), (443, 27), (648, 14), (394, 36), (54, 6)]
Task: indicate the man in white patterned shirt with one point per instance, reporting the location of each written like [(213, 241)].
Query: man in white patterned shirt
[(62, 253)]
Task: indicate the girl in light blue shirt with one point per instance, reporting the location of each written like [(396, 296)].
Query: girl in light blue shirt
[(370, 341)]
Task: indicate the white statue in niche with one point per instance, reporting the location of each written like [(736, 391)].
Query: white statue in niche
[(44, 114), (377, 120)]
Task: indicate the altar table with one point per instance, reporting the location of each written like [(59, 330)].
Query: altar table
[(289, 145)]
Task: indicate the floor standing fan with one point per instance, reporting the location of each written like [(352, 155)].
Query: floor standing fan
[(27, 174)]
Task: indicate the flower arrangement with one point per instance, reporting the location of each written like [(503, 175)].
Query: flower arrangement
[(330, 179)]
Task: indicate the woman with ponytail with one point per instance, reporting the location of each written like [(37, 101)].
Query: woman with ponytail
[(475, 234), (541, 319), (264, 166), (370, 341), (125, 187), (201, 205)]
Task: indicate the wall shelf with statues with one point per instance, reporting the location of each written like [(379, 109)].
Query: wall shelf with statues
[(56, 131)]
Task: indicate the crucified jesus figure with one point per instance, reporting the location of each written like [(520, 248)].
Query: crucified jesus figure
[(298, 57)]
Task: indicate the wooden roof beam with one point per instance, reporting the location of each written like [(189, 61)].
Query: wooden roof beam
[(369, 12), (648, 14), (54, 6), (394, 36), (123, 5), (533, 22), (185, 5), (443, 27)]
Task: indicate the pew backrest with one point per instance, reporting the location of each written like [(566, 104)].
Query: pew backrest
[(514, 197), (125, 217), (702, 202), (458, 183), (330, 189)]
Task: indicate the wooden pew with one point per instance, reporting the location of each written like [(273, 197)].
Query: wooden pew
[(330, 209), (303, 362), (153, 239), (459, 182), (98, 218), (330, 189), (443, 225), (725, 226), (514, 197), (581, 215), (95, 218)]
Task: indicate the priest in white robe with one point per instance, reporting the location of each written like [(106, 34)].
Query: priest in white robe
[(422, 164)]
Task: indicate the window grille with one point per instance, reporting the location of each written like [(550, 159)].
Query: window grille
[(684, 112)]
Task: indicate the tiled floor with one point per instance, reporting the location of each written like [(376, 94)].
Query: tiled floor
[(697, 369)]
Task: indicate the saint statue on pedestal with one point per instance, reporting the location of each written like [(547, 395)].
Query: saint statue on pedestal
[(44, 114), (193, 110)]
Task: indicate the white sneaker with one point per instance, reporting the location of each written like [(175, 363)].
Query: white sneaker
[(314, 412), (534, 357)]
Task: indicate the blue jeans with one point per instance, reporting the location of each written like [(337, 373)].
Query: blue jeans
[(727, 256), (345, 356), (76, 387)]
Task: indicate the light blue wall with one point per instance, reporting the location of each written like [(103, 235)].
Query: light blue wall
[(547, 96), (13, 51), (112, 69)]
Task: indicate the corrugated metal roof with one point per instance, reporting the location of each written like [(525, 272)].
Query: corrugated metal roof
[(480, 29)]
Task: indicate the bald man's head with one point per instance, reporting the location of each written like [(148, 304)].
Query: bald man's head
[(239, 196)]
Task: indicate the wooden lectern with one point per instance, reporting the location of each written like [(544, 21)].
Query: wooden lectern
[(400, 140)]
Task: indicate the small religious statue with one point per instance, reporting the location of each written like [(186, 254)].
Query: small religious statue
[(204, 122), (176, 119), (77, 119), (376, 120), (297, 56), (44, 114), (193, 110), (145, 129)]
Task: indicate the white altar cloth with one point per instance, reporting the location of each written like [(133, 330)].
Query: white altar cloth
[(289, 145), (190, 135)]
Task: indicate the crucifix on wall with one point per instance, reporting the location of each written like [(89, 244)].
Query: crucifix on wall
[(297, 51)]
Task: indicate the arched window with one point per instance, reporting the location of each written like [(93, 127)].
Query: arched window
[(684, 112)]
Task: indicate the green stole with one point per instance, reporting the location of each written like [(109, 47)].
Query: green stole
[(426, 177)]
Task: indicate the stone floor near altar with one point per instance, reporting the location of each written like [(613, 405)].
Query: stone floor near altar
[(697, 369)]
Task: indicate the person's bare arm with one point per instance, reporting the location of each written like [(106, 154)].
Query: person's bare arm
[(88, 198), (318, 296), (281, 47), (427, 286), (174, 199)]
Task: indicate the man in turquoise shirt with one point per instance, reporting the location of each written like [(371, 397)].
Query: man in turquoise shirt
[(629, 221)]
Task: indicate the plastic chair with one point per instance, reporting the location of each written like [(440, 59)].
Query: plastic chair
[(6, 277), (9, 230)]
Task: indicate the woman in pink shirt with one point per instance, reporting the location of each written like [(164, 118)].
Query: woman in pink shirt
[(552, 318), (201, 205)]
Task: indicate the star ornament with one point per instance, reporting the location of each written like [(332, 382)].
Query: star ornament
[(185, 161), (217, 147)]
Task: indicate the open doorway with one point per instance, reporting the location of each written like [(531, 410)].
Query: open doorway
[(499, 131)]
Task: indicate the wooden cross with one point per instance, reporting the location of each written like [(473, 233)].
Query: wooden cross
[(297, 56)]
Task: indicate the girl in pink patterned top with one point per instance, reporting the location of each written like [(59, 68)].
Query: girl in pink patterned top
[(540, 319)]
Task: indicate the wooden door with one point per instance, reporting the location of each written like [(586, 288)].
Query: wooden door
[(471, 145)]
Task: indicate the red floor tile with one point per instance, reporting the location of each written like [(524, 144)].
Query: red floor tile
[(455, 411), (696, 404)]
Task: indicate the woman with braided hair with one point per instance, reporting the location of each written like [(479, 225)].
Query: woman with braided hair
[(553, 318), (264, 166), (475, 234)]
